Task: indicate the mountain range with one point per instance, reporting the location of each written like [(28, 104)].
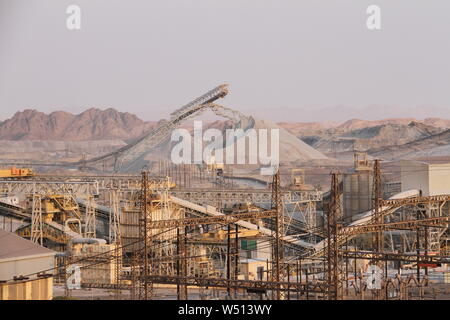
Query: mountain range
[(109, 124)]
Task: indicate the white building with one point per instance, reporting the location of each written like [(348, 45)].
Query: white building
[(431, 178)]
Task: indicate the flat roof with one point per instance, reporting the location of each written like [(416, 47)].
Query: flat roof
[(430, 162), (13, 246)]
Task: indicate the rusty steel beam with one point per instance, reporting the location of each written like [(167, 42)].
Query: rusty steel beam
[(200, 195), (225, 219), (221, 283), (414, 201), (408, 224), (383, 256), (318, 287)]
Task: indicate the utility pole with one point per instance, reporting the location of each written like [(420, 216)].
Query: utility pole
[(181, 264), (134, 272), (377, 239), (278, 248), (145, 289), (236, 258), (178, 264), (232, 259), (118, 267), (229, 260), (332, 253), (185, 265)]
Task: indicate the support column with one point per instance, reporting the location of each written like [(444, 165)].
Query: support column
[(278, 248)]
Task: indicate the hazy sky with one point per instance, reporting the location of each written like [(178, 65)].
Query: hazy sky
[(280, 57)]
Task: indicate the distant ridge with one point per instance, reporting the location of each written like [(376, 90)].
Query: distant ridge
[(96, 124)]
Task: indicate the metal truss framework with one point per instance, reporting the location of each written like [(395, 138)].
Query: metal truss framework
[(383, 256), (129, 182), (225, 219), (232, 257), (293, 201), (89, 218), (36, 220), (426, 219), (48, 232), (332, 254), (261, 286), (377, 237), (82, 184), (125, 157), (414, 201), (149, 268), (145, 288), (181, 264), (209, 196), (58, 230), (389, 207), (242, 284), (114, 218), (77, 188), (405, 225), (153, 205), (277, 246)]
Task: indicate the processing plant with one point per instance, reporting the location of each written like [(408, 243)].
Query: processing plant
[(194, 231)]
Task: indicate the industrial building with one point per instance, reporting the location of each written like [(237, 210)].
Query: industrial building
[(21, 269), (357, 187), (431, 178)]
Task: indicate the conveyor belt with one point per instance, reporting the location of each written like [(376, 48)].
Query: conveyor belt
[(364, 218), (211, 211), (13, 211)]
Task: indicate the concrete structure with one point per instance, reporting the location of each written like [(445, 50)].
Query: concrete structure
[(357, 193), (99, 260), (357, 187), (35, 289), (253, 269), (256, 248), (21, 257), (431, 178), (10, 200)]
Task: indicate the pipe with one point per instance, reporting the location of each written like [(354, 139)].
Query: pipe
[(87, 241), (61, 254)]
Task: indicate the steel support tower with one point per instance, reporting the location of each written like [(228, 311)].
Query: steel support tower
[(278, 248), (333, 271)]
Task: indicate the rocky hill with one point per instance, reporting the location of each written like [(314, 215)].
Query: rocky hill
[(314, 128), (437, 145), (371, 137), (354, 124), (92, 124)]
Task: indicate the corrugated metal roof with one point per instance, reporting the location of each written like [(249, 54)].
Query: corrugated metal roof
[(12, 246)]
